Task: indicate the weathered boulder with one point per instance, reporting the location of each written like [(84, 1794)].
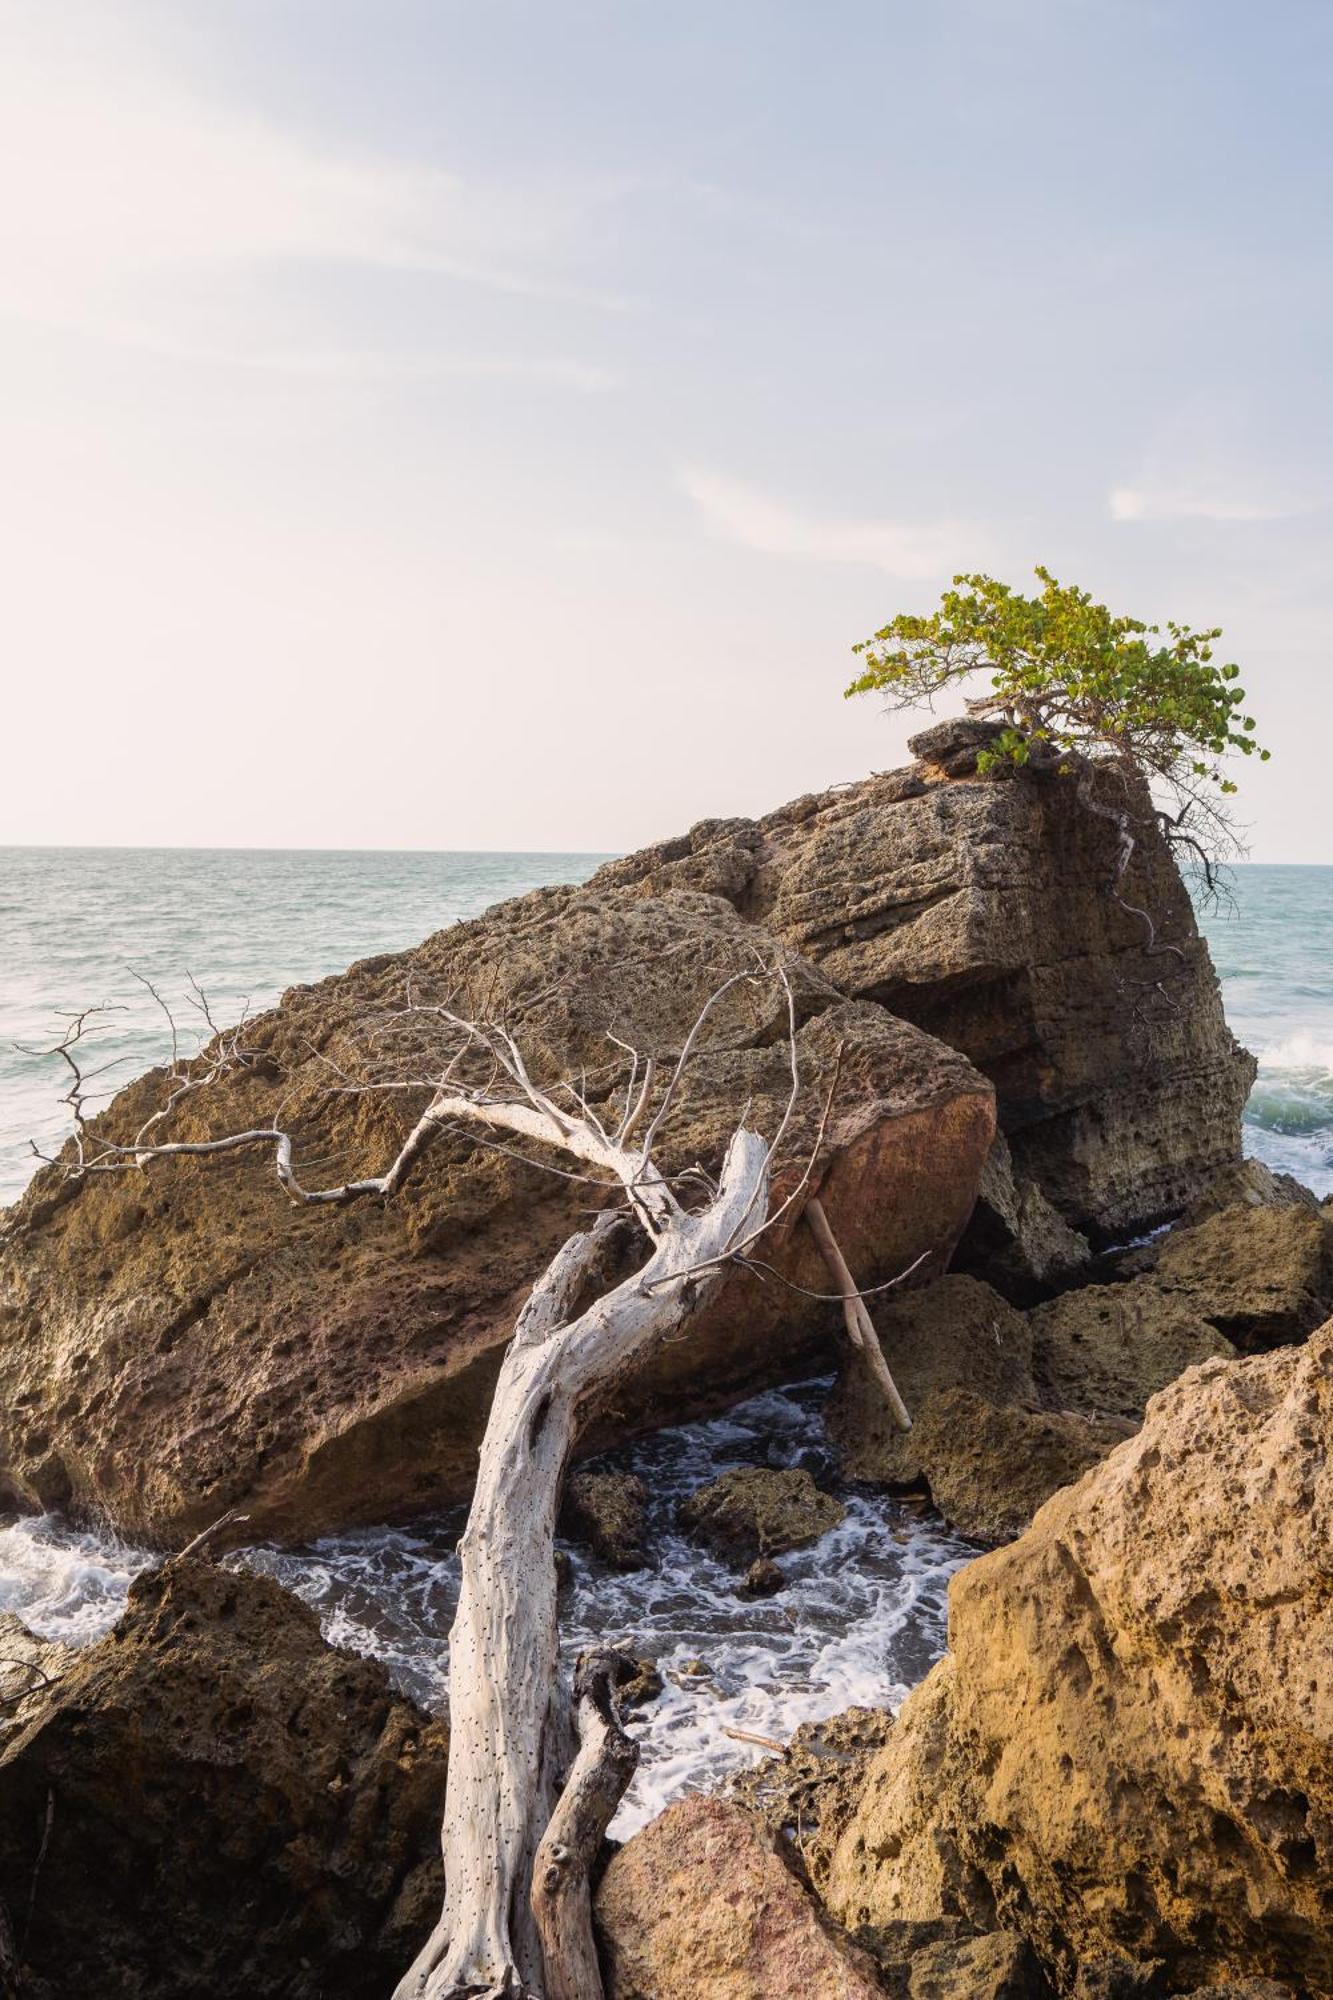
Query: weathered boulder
[(1111, 1347), (212, 1800), (956, 1333), (182, 1341), (753, 1512), (701, 1905), (990, 1466), (608, 1511), (983, 909), (1129, 1746), (1260, 1275), (994, 1966)]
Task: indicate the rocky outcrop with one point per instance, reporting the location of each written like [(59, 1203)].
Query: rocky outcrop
[(212, 1800), (982, 909), (1129, 1747), (953, 1334), (702, 1905), (1108, 1348), (753, 1512), (609, 1512), (1248, 1184), (182, 1341), (1261, 1275)]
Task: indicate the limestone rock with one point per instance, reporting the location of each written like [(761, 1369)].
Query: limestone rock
[(1111, 1347), (989, 1467), (980, 908), (701, 1906), (956, 1333), (753, 1511), (236, 1807), (1129, 1746), (609, 1511), (182, 1341), (1259, 1275), (995, 1966)]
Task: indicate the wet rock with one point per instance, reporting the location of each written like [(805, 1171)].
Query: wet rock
[(1261, 1276), (989, 1467), (640, 1687), (321, 1367), (701, 1906), (1247, 1184), (608, 1511), (1129, 1746), (953, 1334), (1110, 1347), (221, 1803), (762, 1579), (754, 1512)]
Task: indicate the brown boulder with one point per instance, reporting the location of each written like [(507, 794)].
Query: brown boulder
[(1015, 1239), (212, 1800), (753, 1512), (1111, 1347), (809, 1791), (995, 1966), (990, 1466), (182, 1341), (1129, 1746), (701, 1906), (608, 1511), (1259, 1275), (956, 1333)]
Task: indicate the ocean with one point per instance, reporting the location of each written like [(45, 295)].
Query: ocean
[(862, 1617)]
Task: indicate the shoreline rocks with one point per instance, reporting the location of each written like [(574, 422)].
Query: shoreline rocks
[(212, 1800), (1129, 1746)]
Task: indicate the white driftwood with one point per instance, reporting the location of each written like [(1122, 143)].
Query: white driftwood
[(508, 1725)]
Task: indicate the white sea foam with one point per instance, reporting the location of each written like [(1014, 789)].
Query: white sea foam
[(860, 1619)]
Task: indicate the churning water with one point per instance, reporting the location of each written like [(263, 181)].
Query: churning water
[(861, 1616)]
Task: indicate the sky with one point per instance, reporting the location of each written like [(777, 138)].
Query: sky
[(491, 425)]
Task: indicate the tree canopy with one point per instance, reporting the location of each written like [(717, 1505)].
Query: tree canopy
[(1066, 675)]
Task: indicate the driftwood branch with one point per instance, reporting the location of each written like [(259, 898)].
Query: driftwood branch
[(860, 1326), (562, 1872)]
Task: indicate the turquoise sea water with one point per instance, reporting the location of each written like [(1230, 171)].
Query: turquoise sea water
[(247, 924)]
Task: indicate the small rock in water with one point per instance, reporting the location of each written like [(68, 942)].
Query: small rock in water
[(763, 1578), (753, 1512), (609, 1511)]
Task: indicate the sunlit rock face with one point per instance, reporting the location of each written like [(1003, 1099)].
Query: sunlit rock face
[(1129, 1745)]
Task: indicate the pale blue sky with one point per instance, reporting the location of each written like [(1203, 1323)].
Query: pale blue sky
[(490, 425)]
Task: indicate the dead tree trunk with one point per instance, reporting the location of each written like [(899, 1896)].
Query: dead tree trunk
[(508, 1723)]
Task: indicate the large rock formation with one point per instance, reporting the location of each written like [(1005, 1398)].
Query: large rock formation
[(983, 910), (211, 1800), (182, 1341), (1129, 1746)]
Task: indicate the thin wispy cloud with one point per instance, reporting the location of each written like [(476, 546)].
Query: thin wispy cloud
[(736, 512), (132, 182)]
